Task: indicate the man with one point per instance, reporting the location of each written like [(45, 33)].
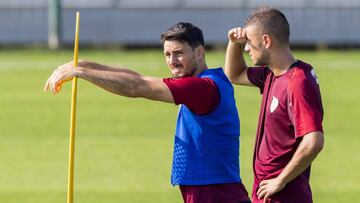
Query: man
[(206, 149), (289, 134)]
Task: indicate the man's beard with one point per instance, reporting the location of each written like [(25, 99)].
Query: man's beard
[(263, 60)]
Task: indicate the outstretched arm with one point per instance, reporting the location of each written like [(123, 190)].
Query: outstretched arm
[(311, 144), (235, 65), (120, 81)]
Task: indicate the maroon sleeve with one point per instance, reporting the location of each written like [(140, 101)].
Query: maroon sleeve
[(257, 76), (305, 104), (200, 95)]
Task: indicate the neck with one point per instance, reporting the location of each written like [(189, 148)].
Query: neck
[(201, 68), (281, 61)]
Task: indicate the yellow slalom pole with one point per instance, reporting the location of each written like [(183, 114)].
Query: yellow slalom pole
[(70, 193)]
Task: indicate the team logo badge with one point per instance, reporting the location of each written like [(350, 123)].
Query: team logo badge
[(274, 104)]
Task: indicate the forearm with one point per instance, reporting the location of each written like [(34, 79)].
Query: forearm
[(116, 80), (307, 151), (234, 61)]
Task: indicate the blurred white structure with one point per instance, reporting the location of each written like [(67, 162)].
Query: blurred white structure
[(140, 22)]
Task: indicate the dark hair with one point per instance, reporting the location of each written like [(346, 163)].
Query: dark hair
[(272, 22), (184, 32)]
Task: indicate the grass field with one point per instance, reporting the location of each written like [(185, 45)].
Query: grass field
[(124, 146)]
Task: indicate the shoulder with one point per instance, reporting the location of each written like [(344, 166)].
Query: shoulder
[(257, 76), (260, 70), (303, 80), (214, 74), (187, 87), (189, 82), (302, 73), (197, 93)]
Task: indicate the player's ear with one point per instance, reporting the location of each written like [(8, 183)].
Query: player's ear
[(267, 41), (200, 52)]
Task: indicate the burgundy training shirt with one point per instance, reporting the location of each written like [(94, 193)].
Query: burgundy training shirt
[(201, 95), (291, 108)]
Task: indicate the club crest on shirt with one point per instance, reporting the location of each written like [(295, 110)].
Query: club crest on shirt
[(274, 104)]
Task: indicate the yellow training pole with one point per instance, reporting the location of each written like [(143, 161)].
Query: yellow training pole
[(70, 194)]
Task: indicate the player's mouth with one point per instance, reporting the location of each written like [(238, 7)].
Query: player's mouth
[(176, 72), (176, 68)]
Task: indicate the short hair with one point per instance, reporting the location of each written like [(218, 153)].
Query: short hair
[(184, 32), (272, 22)]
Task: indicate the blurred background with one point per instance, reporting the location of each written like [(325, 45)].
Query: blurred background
[(123, 150), (139, 22)]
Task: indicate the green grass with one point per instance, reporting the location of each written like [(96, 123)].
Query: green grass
[(124, 146)]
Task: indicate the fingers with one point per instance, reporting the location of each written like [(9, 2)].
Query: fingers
[(46, 86), (266, 198), (62, 74), (49, 84), (237, 35), (267, 188), (263, 183), (261, 192), (240, 32), (54, 81)]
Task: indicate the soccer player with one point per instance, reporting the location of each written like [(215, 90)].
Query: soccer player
[(206, 148), (289, 134)]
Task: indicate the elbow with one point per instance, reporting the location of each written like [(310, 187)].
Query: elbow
[(318, 143), (313, 143), (236, 80), (232, 79), (319, 146), (237, 77), (230, 76)]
